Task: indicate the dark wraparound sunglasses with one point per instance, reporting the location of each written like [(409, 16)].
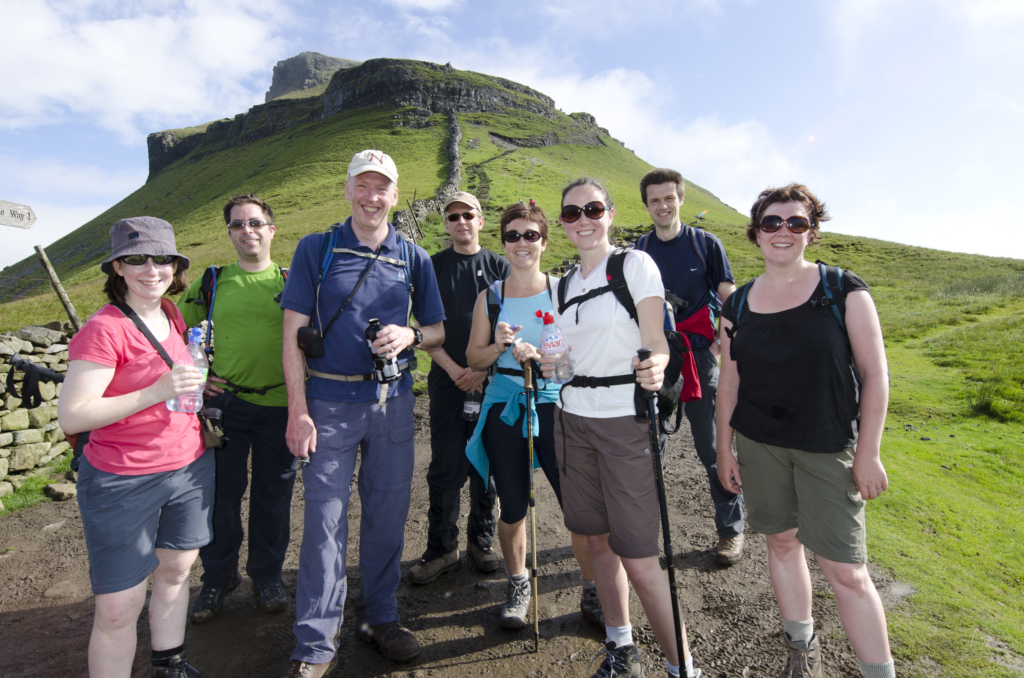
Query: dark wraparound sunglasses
[(468, 216), (514, 236), (158, 259), (770, 224), (593, 210), (254, 224)]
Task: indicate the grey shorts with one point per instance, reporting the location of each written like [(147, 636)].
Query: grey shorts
[(608, 487), (812, 492), (125, 518)]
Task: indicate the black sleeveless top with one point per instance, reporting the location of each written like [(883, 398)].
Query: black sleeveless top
[(797, 387)]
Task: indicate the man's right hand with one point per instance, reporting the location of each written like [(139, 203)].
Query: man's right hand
[(301, 435)]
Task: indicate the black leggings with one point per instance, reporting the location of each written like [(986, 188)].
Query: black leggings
[(509, 458)]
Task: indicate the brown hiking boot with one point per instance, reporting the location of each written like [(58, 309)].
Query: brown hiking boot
[(729, 550), (804, 659), (427, 571), (394, 640), (485, 560), (297, 669)]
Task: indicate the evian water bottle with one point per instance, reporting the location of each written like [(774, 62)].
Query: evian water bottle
[(553, 341), (192, 401)]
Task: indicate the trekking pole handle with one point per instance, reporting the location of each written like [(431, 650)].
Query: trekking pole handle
[(644, 354)]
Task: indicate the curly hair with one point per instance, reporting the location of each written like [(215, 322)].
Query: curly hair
[(518, 210), (816, 209)]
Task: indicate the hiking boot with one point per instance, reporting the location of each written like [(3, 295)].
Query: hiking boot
[(485, 560), (619, 662), (804, 659), (394, 640), (729, 550), (210, 600), (297, 669), (271, 597), (177, 667), (517, 605), (590, 607), (427, 571)]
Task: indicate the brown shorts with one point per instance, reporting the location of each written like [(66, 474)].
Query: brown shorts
[(608, 484)]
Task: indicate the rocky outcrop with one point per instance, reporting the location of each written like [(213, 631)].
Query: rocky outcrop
[(304, 71)]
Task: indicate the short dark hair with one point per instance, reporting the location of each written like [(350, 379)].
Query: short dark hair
[(662, 175), (593, 183), (518, 210), (816, 209), (248, 199), (116, 288)]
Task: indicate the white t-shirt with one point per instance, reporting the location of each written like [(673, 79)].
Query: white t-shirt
[(606, 338)]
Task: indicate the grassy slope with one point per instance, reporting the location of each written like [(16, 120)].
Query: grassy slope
[(952, 324)]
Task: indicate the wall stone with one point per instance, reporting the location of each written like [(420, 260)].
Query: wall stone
[(26, 457), (15, 421)]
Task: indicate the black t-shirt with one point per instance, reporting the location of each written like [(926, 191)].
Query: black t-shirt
[(460, 279), (797, 383)]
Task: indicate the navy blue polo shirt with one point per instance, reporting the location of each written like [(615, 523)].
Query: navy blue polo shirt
[(383, 295), (683, 274)]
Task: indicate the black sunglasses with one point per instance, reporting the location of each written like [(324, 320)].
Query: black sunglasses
[(468, 216), (593, 210), (772, 223), (528, 236), (254, 224), (158, 259)]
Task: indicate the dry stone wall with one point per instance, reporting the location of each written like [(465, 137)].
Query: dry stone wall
[(30, 438)]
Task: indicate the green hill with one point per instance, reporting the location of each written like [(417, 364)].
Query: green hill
[(953, 323)]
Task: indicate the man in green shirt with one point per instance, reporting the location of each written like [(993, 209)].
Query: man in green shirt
[(247, 384)]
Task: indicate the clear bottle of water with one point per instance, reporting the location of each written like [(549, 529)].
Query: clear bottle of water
[(471, 405), (553, 341), (193, 400)]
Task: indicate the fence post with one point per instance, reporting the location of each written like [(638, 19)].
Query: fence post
[(59, 289)]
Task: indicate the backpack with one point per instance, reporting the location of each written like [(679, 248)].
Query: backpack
[(700, 248), (208, 295), (668, 396)]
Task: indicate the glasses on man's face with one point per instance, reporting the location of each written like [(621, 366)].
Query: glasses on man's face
[(592, 210), (528, 236), (772, 223), (239, 224), (468, 216), (158, 259)]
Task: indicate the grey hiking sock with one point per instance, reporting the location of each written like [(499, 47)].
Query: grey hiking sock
[(887, 670), (799, 631)]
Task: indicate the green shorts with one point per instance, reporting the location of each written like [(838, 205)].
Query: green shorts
[(813, 492)]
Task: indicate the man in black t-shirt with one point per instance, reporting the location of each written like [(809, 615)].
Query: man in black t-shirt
[(463, 271)]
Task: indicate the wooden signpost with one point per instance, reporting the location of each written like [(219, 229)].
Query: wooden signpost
[(19, 216)]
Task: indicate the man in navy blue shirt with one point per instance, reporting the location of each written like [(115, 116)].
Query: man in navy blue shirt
[(694, 267), (342, 409)]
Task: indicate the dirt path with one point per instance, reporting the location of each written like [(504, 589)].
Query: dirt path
[(46, 606)]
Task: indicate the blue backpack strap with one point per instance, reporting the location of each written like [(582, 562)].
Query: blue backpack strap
[(327, 243), (208, 292), (832, 300)]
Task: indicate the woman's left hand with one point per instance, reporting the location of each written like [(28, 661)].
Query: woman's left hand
[(521, 352), (870, 476)]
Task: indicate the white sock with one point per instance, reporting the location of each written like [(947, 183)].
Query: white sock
[(799, 631), (688, 665), (620, 635), (588, 585), (673, 670), (519, 578), (887, 670)]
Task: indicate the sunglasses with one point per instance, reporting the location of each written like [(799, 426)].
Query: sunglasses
[(158, 259), (593, 210), (514, 236), (254, 224), (468, 216), (797, 225)]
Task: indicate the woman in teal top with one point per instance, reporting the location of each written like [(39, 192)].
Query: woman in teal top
[(499, 446)]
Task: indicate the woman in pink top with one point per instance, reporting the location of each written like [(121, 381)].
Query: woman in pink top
[(145, 486)]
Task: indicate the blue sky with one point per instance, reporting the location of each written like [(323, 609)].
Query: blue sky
[(905, 116)]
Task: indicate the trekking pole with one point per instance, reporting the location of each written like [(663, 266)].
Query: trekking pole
[(528, 384), (652, 420)]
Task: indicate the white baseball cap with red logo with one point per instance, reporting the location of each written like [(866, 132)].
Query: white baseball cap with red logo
[(373, 161)]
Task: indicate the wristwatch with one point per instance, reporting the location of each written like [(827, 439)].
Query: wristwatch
[(419, 337)]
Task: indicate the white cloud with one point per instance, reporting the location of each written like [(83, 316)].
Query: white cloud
[(425, 5), (132, 67)]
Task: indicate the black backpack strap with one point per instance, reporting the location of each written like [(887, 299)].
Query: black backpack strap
[(134, 317), (284, 276), (738, 303), (563, 285), (643, 242), (617, 282)]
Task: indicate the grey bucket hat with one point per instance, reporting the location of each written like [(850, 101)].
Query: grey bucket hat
[(141, 235)]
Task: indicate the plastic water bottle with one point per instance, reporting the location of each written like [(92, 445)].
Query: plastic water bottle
[(553, 341), (196, 356), (471, 405)]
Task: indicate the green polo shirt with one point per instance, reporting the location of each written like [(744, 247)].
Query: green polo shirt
[(247, 330)]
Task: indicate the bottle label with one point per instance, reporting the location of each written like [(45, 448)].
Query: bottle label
[(554, 344)]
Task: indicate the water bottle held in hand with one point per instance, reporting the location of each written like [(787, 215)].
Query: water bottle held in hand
[(553, 341), (196, 356)]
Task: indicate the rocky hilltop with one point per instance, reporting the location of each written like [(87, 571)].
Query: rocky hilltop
[(417, 88), (304, 72)]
